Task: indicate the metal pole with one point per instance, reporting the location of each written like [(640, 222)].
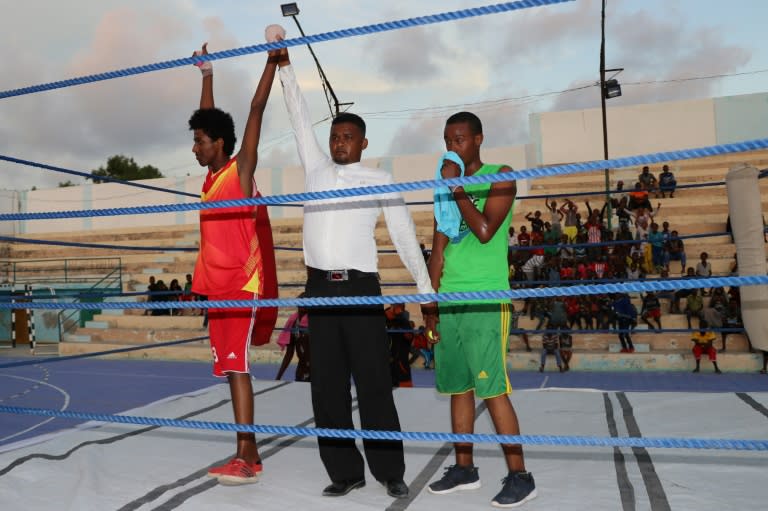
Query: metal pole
[(605, 120), (326, 83)]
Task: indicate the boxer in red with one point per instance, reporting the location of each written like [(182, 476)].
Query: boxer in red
[(236, 259)]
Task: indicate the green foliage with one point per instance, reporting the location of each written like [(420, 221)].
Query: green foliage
[(124, 168), (66, 183)]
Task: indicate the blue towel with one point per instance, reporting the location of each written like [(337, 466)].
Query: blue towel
[(447, 212)]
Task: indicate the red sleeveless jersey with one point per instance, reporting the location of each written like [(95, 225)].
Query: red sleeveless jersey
[(236, 249)]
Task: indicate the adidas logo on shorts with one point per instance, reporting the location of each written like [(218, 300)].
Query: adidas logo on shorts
[(231, 356), (482, 375)]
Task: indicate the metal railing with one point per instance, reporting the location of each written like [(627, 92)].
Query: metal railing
[(59, 271), (68, 321)]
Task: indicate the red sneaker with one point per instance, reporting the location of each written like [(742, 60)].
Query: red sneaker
[(624, 350), (236, 471)]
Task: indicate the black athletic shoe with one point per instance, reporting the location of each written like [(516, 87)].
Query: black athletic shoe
[(518, 489), (341, 488), (456, 478)]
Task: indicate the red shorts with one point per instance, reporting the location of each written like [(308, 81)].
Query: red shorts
[(230, 331), (653, 313), (698, 350)]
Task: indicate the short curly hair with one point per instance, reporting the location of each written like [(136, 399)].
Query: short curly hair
[(217, 124)]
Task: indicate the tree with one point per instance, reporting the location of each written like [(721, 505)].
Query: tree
[(124, 168), (66, 183)]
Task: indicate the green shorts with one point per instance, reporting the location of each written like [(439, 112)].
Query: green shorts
[(472, 352)]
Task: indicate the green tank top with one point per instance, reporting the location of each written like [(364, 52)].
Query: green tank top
[(473, 266)]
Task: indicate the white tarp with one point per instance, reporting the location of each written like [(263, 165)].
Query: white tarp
[(124, 467), (746, 210)]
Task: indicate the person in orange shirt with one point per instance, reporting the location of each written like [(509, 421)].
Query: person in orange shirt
[(236, 259)]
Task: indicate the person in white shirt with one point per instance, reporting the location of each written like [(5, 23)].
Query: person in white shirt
[(341, 256)]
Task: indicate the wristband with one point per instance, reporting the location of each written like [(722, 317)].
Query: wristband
[(206, 67)]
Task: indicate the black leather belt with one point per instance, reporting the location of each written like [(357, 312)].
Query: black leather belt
[(339, 275)]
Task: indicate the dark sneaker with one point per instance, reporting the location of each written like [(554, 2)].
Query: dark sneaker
[(456, 478), (518, 488)]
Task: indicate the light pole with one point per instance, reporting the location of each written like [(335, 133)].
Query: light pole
[(292, 10), (608, 89)]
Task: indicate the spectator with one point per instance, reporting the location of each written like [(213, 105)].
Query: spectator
[(537, 224), (573, 309), (566, 349), (514, 319), (667, 182), (532, 265), (187, 295), (151, 296), (693, 306), (764, 370), (638, 198), (558, 318), (651, 309), (674, 306), (656, 242), (524, 239), (539, 310), (512, 237), (554, 216), (626, 318), (703, 341), (550, 345), (570, 219), (605, 316), (648, 181), (175, 296), (294, 338), (420, 347), (624, 234), (551, 237), (675, 250), (704, 269), (400, 337), (564, 250), (162, 296), (619, 197)]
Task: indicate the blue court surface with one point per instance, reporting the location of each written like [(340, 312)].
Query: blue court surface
[(113, 386)]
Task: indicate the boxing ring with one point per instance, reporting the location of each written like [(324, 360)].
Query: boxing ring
[(588, 448)]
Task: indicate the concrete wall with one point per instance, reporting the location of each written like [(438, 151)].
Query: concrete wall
[(572, 136)]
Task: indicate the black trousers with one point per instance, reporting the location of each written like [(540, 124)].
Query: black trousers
[(352, 342)]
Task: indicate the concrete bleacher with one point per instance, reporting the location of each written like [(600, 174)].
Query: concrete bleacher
[(692, 211)]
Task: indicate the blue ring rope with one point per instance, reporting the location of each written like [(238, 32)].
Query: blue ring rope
[(534, 172), (326, 36), (515, 285), (569, 441), (32, 241), (500, 295)]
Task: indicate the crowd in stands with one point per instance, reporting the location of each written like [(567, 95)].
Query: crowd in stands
[(158, 291), (624, 239)]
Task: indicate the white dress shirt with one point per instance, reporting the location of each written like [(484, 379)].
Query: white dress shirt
[(339, 232)]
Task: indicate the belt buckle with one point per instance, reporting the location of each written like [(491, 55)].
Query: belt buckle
[(338, 275)]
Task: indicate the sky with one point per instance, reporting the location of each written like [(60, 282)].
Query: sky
[(405, 83)]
